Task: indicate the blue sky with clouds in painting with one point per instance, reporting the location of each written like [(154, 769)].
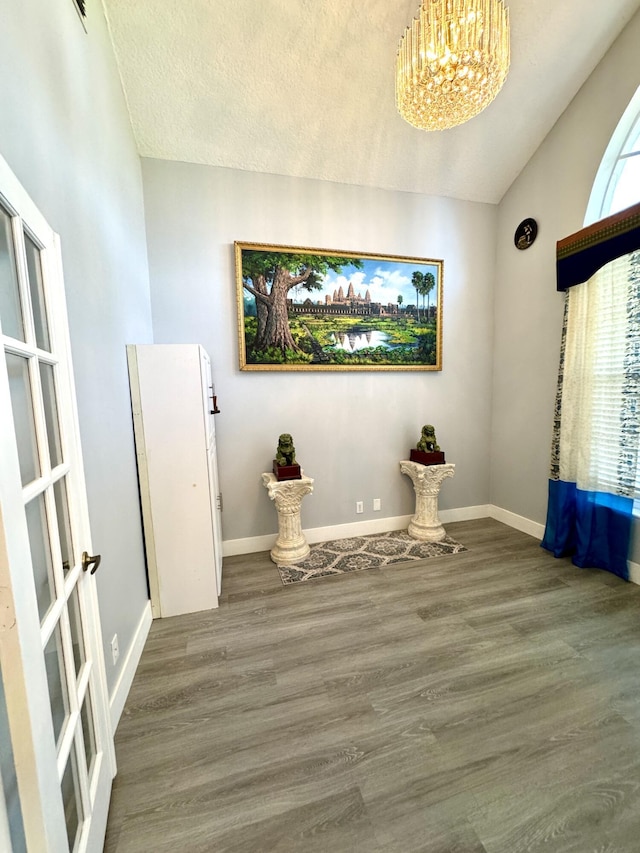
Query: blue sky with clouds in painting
[(384, 280)]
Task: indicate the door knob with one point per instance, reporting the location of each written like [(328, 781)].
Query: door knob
[(88, 561)]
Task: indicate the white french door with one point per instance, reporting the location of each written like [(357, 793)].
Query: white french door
[(57, 759)]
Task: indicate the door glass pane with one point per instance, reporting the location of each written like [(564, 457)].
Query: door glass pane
[(10, 310), (40, 553), (76, 631), (22, 407), (36, 289), (64, 523), (71, 799), (57, 685), (9, 782), (51, 413), (86, 715)]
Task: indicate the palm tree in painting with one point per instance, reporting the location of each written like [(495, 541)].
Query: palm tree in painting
[(428, 283), (424, 282), (416, 281)]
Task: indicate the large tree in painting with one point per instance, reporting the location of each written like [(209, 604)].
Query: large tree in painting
[(269, 276)]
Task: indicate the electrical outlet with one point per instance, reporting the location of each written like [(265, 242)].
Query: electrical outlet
[(115, 650), (359, 506), (376, 504)]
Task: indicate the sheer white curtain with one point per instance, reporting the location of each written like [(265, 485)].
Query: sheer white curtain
[(598, 416)]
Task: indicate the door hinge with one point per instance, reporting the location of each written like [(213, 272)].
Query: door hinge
[(219, 501)]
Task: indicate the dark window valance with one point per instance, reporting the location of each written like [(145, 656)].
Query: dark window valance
[(582, 254)]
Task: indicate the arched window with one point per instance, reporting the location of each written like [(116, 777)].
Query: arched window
[(617, 183)]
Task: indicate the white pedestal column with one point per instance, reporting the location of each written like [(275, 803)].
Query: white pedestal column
[(427, 479), (291, 546)]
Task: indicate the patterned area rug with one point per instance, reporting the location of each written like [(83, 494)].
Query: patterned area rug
[(365, 552)]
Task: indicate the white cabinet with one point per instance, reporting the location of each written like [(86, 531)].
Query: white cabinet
[(171, 396)]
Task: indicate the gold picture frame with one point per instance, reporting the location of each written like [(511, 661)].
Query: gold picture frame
[(317, 309)]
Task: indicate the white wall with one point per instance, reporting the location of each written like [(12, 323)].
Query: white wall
[(554, 189), (65, 132), (350, 429)]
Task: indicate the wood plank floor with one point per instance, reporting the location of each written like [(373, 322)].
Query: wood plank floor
[(483, 702)]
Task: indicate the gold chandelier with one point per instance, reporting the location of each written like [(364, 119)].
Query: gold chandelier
[(452, 61)]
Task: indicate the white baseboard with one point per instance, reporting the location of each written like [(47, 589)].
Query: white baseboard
[(253, 544), (463, 513), (519, 522), (357, 528), (129, 666), (250, 545)]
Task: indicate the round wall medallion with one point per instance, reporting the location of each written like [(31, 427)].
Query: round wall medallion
[(525, 234)]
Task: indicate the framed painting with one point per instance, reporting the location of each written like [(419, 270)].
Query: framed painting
[(316, 309)]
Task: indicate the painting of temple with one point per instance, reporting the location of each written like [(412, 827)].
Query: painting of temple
[(353, 305)]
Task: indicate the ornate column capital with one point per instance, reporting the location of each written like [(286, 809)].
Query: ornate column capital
[(287, 494), (427, 479)]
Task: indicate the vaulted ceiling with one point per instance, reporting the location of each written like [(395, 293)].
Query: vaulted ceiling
[(306, 88)]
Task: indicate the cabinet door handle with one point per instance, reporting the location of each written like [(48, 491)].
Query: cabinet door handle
[(88, 561)]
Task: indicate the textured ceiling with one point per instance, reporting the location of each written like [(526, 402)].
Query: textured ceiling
[(306, 88)]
